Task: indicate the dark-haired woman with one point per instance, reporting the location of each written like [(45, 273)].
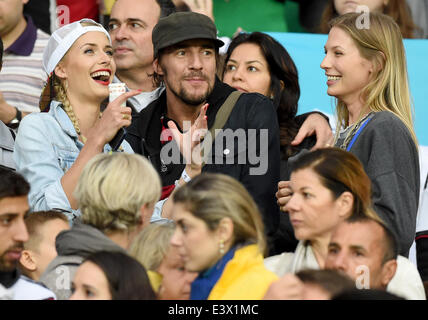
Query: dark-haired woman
[(101, 277)]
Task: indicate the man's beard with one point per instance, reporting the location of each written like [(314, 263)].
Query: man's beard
[(184, 96), (9, 265)]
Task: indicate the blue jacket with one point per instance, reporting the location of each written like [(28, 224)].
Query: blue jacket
[(45, 148)]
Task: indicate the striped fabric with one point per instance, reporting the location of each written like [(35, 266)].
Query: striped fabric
[(22, 77)]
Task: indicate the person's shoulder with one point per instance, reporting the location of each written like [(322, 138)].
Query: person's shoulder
[(405, 263), (257, 107), (27, 289), (407, 282), (384, 115), (386, 124), (36, 120), (255, 98), (387, 117), (279, 264), (60, 266)]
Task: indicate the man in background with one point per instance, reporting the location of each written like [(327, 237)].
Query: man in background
[(22, 77)]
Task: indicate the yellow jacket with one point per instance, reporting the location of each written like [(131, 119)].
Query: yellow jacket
[(244, 277)]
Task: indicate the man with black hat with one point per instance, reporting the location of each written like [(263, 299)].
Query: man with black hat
[(186, 50)]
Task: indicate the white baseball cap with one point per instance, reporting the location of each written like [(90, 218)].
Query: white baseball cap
[(63, 38)]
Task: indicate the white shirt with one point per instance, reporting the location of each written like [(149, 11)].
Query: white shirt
[(26, 289), (142, 100)]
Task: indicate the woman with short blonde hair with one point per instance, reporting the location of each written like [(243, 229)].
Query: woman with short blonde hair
[(152, 244), (116, 193), (112, 189)]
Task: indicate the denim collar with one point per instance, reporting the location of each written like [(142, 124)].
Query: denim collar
[(62, 118), (58, 113)]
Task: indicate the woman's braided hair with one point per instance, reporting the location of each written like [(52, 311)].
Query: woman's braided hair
[(61, 96)]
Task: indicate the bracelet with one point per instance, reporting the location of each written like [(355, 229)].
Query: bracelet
[(185, 176)]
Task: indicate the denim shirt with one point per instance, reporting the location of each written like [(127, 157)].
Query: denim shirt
[(46, 147)]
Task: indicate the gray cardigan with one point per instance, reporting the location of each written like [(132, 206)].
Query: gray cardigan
[(390, 158)]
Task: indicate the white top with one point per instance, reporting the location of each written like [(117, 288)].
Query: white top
[(26, 289), (292, 262), (407, 282), (142, 100)]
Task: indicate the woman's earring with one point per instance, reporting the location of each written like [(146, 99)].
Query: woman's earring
[(221, 247)]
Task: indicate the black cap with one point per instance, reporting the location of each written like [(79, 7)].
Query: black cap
[(181, 26)]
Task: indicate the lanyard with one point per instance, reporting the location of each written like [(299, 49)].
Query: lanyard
[(357, 134)]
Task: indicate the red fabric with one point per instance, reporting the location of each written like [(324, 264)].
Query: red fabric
[(80, 9), (422, 236), (166, 191)]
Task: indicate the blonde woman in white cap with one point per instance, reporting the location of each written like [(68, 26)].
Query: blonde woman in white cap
[(53, 147)]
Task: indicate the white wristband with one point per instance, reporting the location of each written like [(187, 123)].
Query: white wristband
[(185, 176)]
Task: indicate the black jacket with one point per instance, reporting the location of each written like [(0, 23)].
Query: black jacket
[(252, 111)]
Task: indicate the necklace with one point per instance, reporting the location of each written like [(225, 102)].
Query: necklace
[(351, 131)]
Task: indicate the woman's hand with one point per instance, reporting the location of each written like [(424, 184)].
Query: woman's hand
[(189, 142), (283, 194), (201, 6), (114, 117)]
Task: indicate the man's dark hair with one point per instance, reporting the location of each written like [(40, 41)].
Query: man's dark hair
[(390, 240), (167, 7), (366, 294), (134, 284), (12, 184), (332, 281)]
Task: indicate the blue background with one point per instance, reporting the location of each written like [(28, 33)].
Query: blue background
[(307, 51)]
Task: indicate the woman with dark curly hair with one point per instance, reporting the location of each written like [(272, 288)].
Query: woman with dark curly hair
[(256, 62)]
